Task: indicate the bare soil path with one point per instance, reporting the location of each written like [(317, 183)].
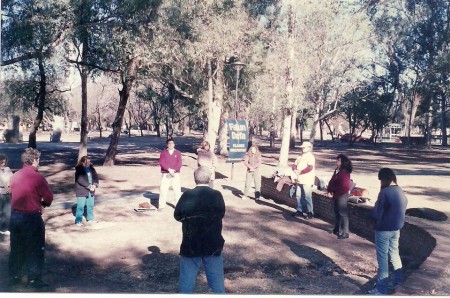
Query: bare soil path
[(266, 250)]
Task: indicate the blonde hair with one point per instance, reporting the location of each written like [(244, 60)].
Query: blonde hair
[(250, 153)]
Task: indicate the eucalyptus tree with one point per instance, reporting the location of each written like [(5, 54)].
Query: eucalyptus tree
[(416, 36), (31, 31), (216, 31), (313, 58), (113, 37)]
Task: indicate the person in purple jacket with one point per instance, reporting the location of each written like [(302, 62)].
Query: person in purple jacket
[(170, 163), (339, 187), (388, 216)]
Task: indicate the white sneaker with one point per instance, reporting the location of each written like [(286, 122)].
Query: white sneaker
[(91, 222), (6, 233), (79, 224)]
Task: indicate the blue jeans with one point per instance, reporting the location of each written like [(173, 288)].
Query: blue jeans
[(81, 202), (189, 268), (304, 193), (386, 243)]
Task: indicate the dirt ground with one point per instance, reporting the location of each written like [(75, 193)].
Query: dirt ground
[(266, 250)]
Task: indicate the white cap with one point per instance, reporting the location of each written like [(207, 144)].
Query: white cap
[(306, 145)]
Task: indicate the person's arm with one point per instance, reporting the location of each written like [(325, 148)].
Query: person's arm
[(246, 164), (180, 211), (310, 165), (45, 192), (95, 180), (331, 184), (81, 178), (258, 161), (163, 161), (378, 209), (214, 160), (178, 162)]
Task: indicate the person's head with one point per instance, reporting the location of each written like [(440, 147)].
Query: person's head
[(343, 163), (253, 150), (170, 143), (84, 161), (306, 147), (205, 145), (386, 177), (202, 175), (3, 160), (31, 157)]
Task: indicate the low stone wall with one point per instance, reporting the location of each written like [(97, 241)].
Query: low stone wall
[(416, 244)]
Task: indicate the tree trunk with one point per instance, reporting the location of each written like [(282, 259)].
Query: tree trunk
[(40, 104), (223, 134), (288, 112), (124, 94), (284, 150), (215, 103), (444, 120), (293, 129), (316, 117), (84, 118)]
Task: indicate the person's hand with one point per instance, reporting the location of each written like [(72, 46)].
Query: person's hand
[(172, 172), (92, 188)]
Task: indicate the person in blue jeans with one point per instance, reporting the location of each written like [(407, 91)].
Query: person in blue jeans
[(389, 217), (201, 210), (86, 181)]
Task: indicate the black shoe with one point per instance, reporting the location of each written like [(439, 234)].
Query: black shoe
[(14, 280), (298, 213), (343, 236), (308, 215), (37, 284), (336, 232)]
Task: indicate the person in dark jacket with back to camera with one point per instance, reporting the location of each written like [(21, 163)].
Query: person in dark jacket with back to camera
[(30, 192), (86, 181), (201, 210), (389, 217), (339, 187)]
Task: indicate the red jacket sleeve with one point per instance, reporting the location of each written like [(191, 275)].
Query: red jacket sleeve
[(45, 193)]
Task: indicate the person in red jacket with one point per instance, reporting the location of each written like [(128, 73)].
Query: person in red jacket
[(170, 163), (30, 192), (339, 187)]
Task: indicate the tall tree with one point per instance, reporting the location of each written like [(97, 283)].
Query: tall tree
[(31, 31)]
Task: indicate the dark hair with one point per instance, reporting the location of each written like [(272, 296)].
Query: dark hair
[(81, 161), (170, 140), (386, 176), (4, 158), (346, 163)]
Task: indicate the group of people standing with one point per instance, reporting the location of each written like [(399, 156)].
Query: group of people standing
[(200, 210)]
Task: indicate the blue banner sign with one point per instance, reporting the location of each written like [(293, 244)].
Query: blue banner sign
[(237, 139)]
